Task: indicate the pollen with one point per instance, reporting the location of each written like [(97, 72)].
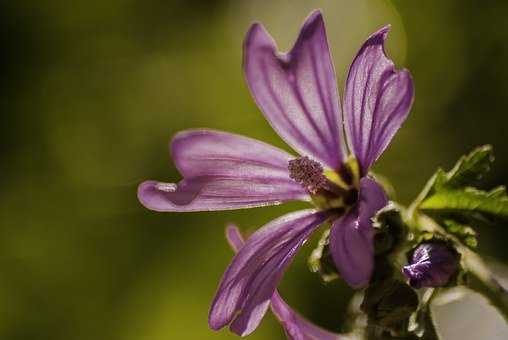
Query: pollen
[(308, 173), (166, 187)]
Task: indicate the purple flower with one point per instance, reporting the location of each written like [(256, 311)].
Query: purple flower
[(432, 264), (295, 326), (297, 92)]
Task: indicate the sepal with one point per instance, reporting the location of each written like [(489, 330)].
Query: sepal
[(389, 305), (320, 260), (390, 231)]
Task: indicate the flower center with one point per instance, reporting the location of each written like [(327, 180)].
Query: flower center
[(308, 173), (328, 189)]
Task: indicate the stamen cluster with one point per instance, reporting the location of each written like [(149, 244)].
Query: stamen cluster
[(308, 173)]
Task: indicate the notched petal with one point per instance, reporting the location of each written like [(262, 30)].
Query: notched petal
[(377, 100), (252, 277), (352, 250), (352, 236), (297, 91), (222, 171), (217, 193), (295, 326)]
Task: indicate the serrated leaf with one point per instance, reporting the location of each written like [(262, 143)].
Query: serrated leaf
[(468, 200), (463, 232), (497, 192), (470, 168), (471, 242), (466, 172)]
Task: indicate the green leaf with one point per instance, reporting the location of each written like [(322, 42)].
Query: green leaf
[(463, 232), (466, 172), (470, 168), (498, 192), (469, 200)]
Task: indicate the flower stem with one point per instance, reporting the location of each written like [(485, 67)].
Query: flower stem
[(482, 281)]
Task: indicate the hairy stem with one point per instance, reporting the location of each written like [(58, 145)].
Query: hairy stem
[(482, 281)]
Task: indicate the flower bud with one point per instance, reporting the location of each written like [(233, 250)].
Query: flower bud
[(389, 304), (432, 264)]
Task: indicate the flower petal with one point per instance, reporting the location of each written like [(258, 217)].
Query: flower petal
[(352, 250), (297, 91), (377, 100), (372, 198), (222, 171), (207, 152), (249, 282), (352, 236), (295, 326), (234, 237)]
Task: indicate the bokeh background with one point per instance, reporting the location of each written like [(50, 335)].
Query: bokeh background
[(91, 93)]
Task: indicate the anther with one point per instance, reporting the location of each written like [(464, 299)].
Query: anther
[(166, 187), (308, 173)]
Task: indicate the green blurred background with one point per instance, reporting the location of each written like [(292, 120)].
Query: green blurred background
[(92, 91)]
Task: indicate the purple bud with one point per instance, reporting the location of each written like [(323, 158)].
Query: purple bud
[(432, 264)]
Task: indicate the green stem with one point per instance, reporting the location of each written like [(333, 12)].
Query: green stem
[(430, 329), (482, 281), (426, 319)]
